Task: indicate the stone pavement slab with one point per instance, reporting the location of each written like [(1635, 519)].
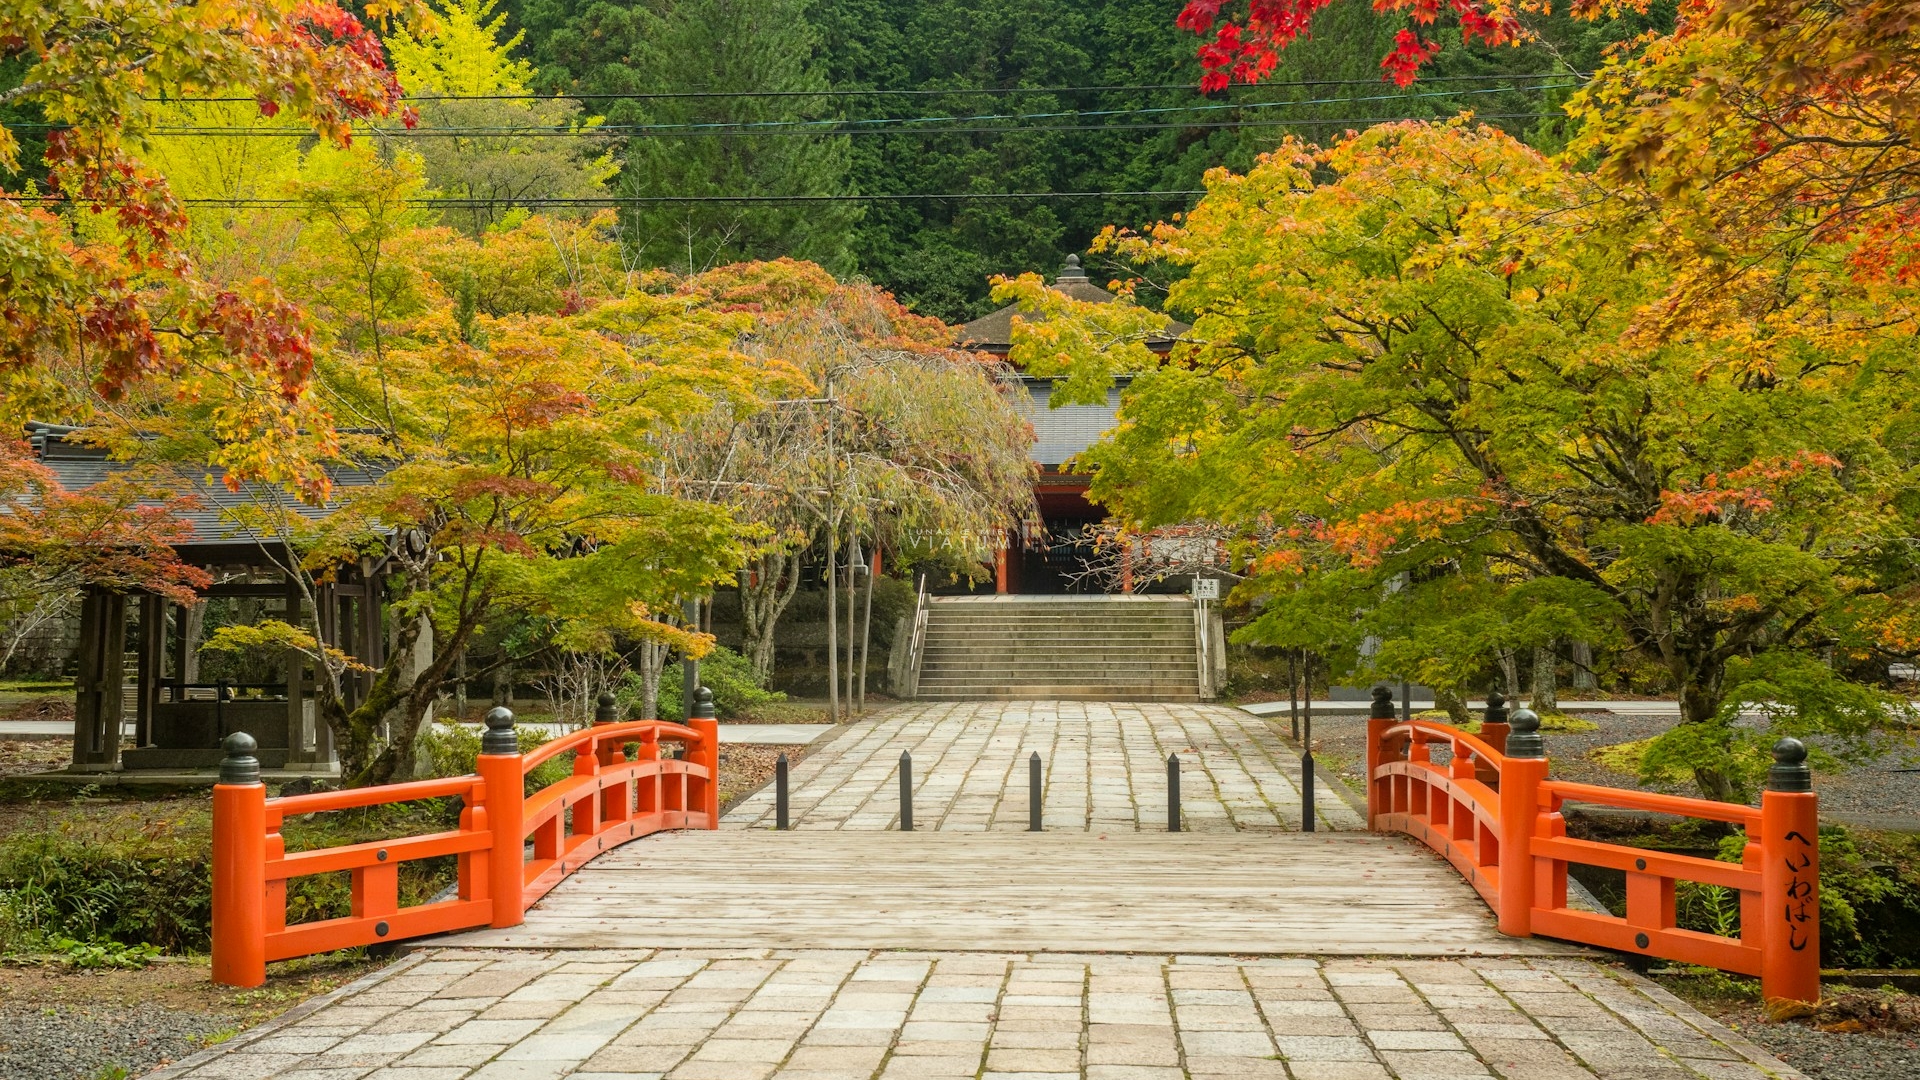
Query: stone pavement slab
[(1104, 762), (751, 1014)]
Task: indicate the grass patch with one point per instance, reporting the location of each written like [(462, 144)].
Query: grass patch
[(1626, 759), (1698, 984)]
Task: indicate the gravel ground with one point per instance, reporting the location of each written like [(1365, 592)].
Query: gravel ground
[(57, 1023), (1829, 1055), (83, 1042), (1881, 1053)]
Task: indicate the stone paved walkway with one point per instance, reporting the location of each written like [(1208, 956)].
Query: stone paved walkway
[(1105, 768), (824, 1015)]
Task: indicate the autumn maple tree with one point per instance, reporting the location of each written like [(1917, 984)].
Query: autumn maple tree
[(98, 298), (105, 317)]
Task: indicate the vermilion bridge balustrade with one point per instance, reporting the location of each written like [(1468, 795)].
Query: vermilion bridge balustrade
[(1491, 811), (609, 799)]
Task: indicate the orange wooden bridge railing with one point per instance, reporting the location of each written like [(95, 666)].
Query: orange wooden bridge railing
[(1491, 811), (610, 798)]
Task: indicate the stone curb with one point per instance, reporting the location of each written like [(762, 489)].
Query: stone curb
[(1708, 1026)]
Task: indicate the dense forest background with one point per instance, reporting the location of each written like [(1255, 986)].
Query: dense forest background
[(861, 61), (927, 145)]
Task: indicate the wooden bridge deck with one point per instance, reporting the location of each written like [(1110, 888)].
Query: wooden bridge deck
[(1198, 893)]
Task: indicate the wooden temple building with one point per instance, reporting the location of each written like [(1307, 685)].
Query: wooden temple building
[(177, 720), (1041, 560)]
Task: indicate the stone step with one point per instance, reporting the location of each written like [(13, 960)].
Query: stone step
[(1080, 619), (1001, 644), (1060, 693), (1076, 649), (1168, 669)]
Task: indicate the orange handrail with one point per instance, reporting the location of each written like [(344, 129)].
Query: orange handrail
[(1493, 814), (1653, 801), (608, 800)]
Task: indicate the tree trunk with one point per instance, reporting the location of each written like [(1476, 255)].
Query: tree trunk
[(1699, 704), (1581, 654), (460, 686), (1453, 704), (853, 586), (1510, 672), (866, 629), (764, 595), (503, 685), (653, 661), (1546, 680)]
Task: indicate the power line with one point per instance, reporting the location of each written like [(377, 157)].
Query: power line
[(843, 126), (911, 92), (606, 130), (588, 202)]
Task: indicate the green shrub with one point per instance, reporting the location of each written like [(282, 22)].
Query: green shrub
[(115, 880), (454, 750), (723, 671), (83, 880)]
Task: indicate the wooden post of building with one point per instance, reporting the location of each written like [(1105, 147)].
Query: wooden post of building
[(1001, 586), (97, 700), (299, 733), (148, 668), (181, 615)]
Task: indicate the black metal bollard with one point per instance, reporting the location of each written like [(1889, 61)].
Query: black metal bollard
[(1306, 792), (1306, 756), (780, 793), (1034, 793), (1173, 792), (906, 791)]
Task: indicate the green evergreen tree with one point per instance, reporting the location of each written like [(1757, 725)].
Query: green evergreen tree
[(704, 46)]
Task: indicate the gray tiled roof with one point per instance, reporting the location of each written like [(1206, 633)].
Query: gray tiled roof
[(78, 467), (994, 331)]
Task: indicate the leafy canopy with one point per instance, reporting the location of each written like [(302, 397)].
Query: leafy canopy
[(1417, 389)]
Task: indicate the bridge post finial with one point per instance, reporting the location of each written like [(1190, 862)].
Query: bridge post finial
[(500, 737), (239, 766), (1382, 708), (1496, 711), (703, 704), (606, 709), (1789, 771), (1524, 740)]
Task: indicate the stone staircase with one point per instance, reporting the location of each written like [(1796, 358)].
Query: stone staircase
[(1123, 648)]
